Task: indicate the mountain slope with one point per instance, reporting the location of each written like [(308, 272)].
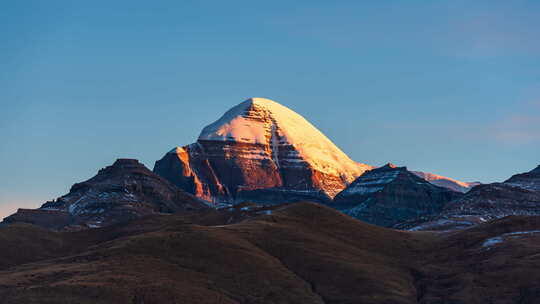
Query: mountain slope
[(260, 151), (300, 253), (390, 195), (276, 258), (124, 191)]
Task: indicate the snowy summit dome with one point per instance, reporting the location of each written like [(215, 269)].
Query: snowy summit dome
[(265, 122)]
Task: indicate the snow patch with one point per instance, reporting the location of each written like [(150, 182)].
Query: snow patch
[(439, 223), (499, 239), (492, 241), (372, 182)]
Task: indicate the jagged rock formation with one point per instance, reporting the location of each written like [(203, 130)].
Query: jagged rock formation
[(519, 195), (124, 191), (389, 195), (263, 152), (446, 182)]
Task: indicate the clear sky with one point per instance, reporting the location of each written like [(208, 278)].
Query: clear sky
[(449, 87)]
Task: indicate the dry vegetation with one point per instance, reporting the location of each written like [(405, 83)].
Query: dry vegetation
[(301, 253)]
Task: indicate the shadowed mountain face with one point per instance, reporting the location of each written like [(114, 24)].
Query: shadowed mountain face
[(390, 195), (260, 151), (529, 180), (124, 191), (519, 195), (299, 253)]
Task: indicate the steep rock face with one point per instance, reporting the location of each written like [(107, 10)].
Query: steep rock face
[(389, 195), (446, 182), (124, 191), (519, 195), (263, 152)]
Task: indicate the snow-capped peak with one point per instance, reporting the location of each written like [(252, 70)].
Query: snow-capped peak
[(266, 122)]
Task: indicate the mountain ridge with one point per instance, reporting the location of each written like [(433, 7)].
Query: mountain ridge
[(120, 192), (446, 182), (518, 195)]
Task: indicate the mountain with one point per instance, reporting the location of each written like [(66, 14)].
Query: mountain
[(446, 182), (297, 253), (529, 180), (390, 195), (519, 195), (124, 191), (260, 151)]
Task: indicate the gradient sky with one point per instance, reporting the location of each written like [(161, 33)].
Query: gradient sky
[(449, 87)]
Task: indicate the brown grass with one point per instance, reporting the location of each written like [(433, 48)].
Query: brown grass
[(302, 253)]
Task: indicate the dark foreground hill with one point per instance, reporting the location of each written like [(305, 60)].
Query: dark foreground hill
[(299, 253)]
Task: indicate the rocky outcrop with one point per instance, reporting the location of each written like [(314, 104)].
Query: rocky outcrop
[(519, 195), (124, 191), (263, 152), (390, 195)]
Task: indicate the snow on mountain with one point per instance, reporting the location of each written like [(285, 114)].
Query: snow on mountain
[(266, 122), (446, 182), (373, 181)]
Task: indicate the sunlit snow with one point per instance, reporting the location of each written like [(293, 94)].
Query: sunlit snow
[(266, 122)]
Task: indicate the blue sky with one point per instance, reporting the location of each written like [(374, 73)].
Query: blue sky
[(449, 87)]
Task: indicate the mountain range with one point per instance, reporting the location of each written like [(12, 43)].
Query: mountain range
[(261, 152), (519, 195), (264, 208)]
